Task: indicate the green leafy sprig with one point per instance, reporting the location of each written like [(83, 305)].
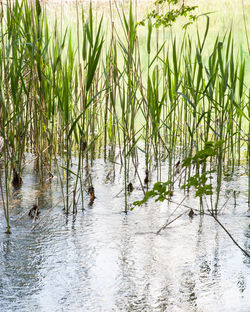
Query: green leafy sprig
[(166, 19), (198, 181), (159, 191)]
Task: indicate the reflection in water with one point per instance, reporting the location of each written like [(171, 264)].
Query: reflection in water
[(21, 259), (104, 260)]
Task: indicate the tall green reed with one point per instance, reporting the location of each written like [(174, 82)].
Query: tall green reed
[(60, 99)]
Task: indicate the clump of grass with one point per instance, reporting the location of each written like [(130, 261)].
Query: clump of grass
[(115, 89)]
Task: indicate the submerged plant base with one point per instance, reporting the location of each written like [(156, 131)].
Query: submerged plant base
[(34, 212), (8, 231), (91, 192), (191, 214), (130, 187), (17, 179)]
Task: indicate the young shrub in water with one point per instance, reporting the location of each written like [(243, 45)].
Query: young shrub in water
[(199, 180)]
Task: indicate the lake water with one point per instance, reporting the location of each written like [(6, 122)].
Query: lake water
[(105, 260)]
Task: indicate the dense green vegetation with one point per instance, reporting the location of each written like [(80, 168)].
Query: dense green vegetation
[(59, 100)]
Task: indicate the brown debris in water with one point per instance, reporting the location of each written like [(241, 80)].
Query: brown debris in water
[(17, 180), (83, 146), (146, 180), (91, 192), (130, 187), (177, 167), (191, 214), (34, 212)]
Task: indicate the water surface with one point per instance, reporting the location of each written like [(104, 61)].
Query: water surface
[(105, 260)]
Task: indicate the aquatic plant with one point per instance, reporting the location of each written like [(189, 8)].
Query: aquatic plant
[(66, 94)]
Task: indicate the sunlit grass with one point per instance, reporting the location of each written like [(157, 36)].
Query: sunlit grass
[(70, 86)]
